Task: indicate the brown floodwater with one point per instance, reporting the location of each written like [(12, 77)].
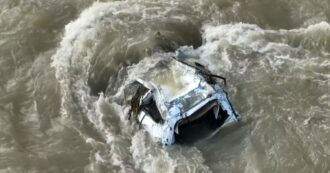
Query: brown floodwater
[(64, 65)]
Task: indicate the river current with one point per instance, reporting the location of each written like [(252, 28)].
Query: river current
[(64, 65)]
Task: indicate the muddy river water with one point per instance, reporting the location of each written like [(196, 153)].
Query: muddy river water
[(64, 64)]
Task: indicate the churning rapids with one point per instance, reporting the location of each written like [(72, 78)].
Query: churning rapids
[(64, 65)]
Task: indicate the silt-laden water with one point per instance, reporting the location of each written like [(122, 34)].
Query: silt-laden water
[(64, 65)]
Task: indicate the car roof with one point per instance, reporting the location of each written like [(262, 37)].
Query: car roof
[(174, 80), (179, 84)]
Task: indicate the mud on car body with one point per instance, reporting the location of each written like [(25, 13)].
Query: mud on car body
[(181, 94)]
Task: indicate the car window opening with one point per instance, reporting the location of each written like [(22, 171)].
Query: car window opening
[(152, 109), (200, 124)]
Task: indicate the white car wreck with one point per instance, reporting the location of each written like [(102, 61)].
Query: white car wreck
[(177, 96)]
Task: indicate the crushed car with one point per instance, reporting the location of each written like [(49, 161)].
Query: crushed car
[(179, 94)]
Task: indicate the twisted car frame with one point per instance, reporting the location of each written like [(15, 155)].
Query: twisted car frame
[(176, 98)]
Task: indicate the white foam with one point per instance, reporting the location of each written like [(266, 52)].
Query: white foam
[(323, 27), (72, 64), (250, 36), (152, 157), (273, 46), (240, 34)]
